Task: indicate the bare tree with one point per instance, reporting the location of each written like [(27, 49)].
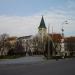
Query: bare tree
[(3, 38)]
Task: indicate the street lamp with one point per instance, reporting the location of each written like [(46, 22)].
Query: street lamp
[(62, 40)]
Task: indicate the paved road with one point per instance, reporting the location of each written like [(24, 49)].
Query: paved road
[(51, 67)]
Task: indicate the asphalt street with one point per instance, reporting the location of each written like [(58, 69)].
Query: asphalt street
[(47, 67)]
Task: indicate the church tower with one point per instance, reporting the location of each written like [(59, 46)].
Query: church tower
[(42, 30)]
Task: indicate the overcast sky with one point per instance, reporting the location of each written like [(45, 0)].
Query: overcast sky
[(22, 17)]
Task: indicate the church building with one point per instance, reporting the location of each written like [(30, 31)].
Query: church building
[(47, 44), (42, 30)]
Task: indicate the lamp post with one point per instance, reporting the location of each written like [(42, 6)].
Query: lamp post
[(62, 40)]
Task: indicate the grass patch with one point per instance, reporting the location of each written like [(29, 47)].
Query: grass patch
[(11, 57), (58, 57)]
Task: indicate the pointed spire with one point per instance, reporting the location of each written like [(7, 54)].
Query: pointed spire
[(42, 23)]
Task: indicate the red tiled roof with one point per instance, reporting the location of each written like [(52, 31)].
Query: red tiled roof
[(56, 37), (11, 38), (70, 39)]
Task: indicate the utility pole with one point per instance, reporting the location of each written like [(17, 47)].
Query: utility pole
[(52, 31), (48, 43), (62, 43)]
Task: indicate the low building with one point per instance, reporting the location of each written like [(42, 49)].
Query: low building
[(70, 46), (26, 42), (8, 43), (12, 41), (56, 39)]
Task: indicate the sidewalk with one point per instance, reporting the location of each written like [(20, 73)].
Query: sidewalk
[(30, 60), (22, 60)]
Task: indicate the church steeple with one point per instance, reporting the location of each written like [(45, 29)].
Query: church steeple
[(42, 23), (42, 30)]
